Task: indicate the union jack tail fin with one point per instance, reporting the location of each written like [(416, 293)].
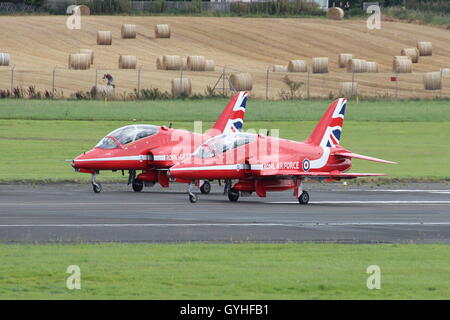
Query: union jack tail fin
[(232, 118), (328, 131)]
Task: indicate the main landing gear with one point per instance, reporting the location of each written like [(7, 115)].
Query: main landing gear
[(304, 198), (137, 185), (233, 195), (205, 188), (96, 186)]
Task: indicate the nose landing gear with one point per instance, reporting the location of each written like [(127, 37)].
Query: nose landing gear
[(192, 197), (96, 186)]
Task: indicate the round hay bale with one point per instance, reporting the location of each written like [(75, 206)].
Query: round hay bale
[(196, 63), (335, 13), (79, 61), (445, 72), (357, 66), (320, 65), (432, 80), (172, 62), (412, 53), (425, 48), (84, 10), (181, 86), (104, 38), (297, 66), (279, 68), (344, 58), (128, 31), (210, 65), (4, 59), (241, 81), (162, 31), (127, 62), (348, 89), (102, 92), (184, 63), (372, 66), (402, 64), (160, 63), (90, 52)]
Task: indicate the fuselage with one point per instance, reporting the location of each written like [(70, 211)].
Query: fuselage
[(259, 156)]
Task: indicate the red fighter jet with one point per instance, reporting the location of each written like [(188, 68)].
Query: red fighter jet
[(261, 163), (154, 149)]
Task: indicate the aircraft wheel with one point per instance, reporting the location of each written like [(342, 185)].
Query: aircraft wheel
[(97, 187), (206, 187), (137, 185), (233, 195), (193, 198), (303, 198)]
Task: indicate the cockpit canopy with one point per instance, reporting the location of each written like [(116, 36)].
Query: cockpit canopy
[(126, 135), (223, 143)]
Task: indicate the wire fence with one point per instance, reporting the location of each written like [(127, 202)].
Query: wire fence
[(65, 83)]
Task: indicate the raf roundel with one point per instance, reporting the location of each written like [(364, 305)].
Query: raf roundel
[(306, 165)]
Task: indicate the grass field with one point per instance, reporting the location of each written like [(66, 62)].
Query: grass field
[(209, 110), (225, 271), (421, 148)]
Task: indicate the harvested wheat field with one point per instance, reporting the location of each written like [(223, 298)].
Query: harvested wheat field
[(38, 44)]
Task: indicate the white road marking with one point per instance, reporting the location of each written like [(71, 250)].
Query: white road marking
[(295, 225), (369, 202), (398, 190)]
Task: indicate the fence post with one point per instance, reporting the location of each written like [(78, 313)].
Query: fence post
[(267, 84), (307, 83), (96, 77), (442, 84), (12, 78), (139, 82), (396, 85), (223, 79), (53, 82), (353, 83)]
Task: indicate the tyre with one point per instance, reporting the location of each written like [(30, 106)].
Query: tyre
[(137, 185), (233, 195), (303, 198), (193, 198), (97, 187), (205, 188)]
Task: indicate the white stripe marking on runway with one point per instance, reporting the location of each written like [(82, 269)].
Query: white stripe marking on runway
[(295, 225), (369, 202)]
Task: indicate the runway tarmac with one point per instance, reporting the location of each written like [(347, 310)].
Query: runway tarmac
[(344, 214)]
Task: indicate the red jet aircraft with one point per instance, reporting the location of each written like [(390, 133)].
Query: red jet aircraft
[(263, 163), (154, 149)]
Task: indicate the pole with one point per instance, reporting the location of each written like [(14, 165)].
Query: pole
[(267, 84), (223, 79), (12, 78), (139, 82), (53, 82), (96, 77), (307, 83), (396, 86), (353, 83), (440, 89)]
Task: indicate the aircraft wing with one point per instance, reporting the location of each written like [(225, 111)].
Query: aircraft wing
[(360, 156), (316, 174)]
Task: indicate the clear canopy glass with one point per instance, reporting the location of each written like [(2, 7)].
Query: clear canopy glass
[(126, 135), (223, 143)]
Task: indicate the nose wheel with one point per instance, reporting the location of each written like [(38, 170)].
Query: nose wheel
[(96, 186), (303, 198), (192, 197)]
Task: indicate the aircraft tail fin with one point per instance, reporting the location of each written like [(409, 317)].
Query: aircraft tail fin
[(232, 117), (328, 131)]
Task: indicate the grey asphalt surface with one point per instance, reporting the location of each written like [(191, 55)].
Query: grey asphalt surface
[(418, 213)]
